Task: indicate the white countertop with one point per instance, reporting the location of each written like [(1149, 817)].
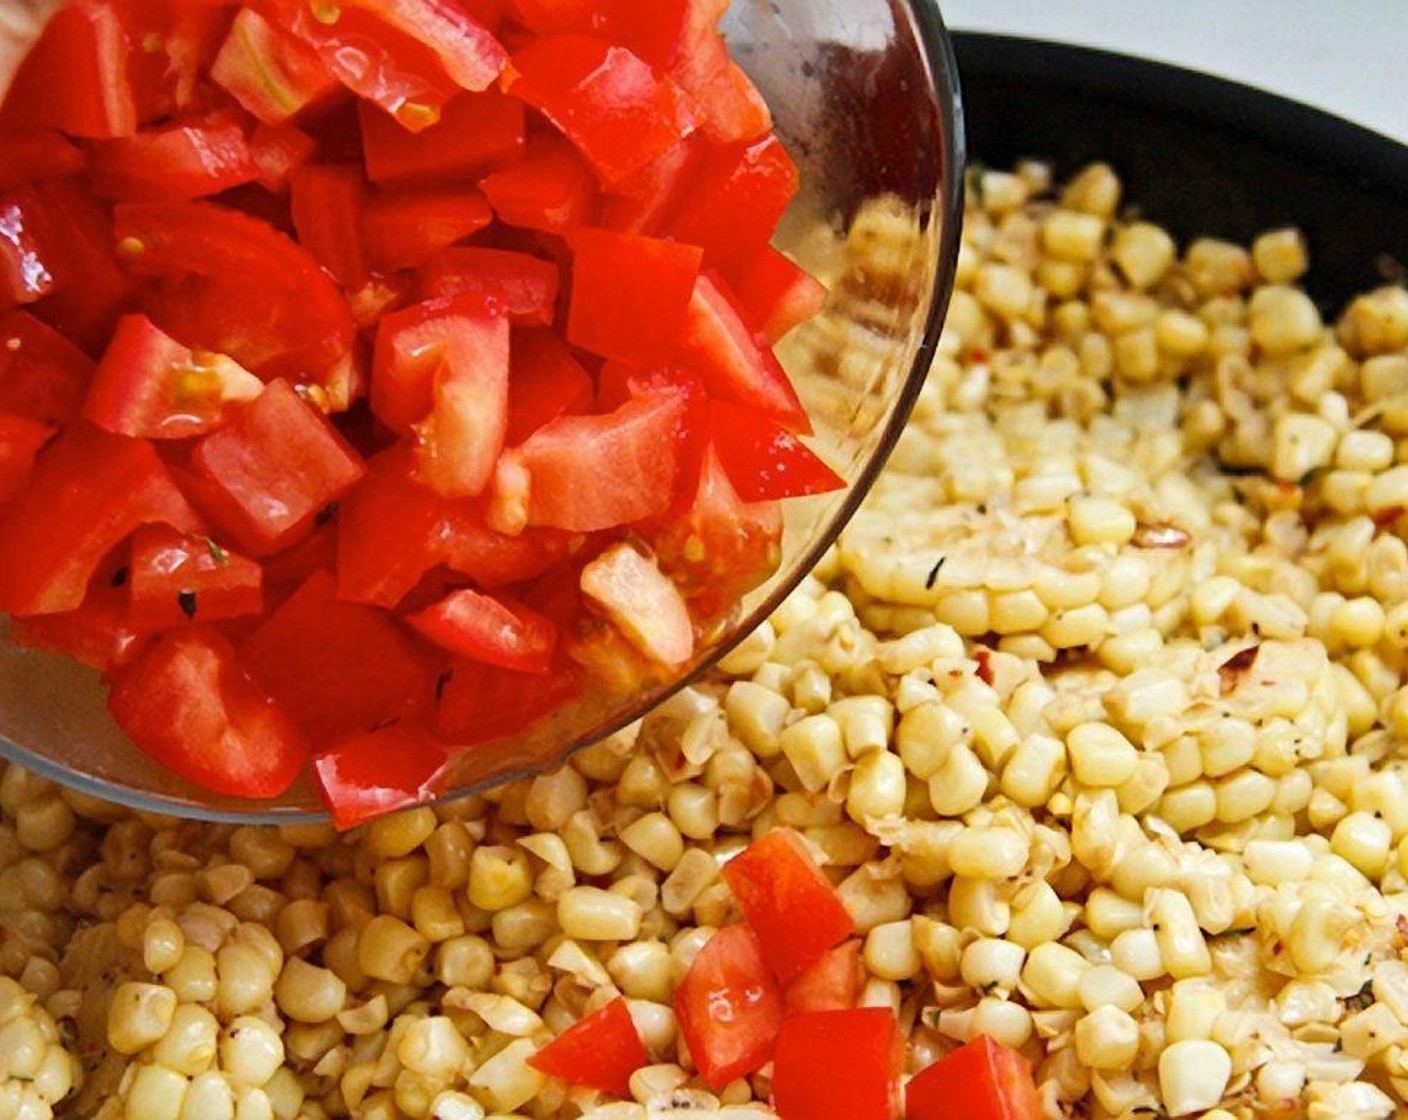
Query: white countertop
[(1349, 57)]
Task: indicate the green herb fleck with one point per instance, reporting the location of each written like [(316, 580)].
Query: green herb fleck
[(218, 554)]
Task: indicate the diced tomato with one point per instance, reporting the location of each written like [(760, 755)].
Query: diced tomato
[(369, 775), (599, 1051), (411, 346), (95, 289), (89, 492), (326, 205), (149, 385), (76, 78), (189, 160), (176, 579), (719, 548), (983, 1080), (618, 383), (524, 287), (272, 74), (630, 295), (388, 529), (340, 669), (233, 285), (30, 267), (728, 1007), (469, 54), (97, 633), (274, 466), (840, 1065), (406, 227), (734, 202), (642, 202), (720, 347), (551, 188), (459, 441), (618, 112), (480, 703), (37, 154), (43, 376), (788, 902), (278, 150), (725, 100), (546, 382), (20, 441), (496, 630), (554, 17), (475, 132), (833, 983), (596, 472), (373, 59), (467, 544), (187, 702), (175, 42), (764, 461), (629, 589), (777, 295)]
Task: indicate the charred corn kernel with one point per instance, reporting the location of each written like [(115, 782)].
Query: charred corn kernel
[(1193, 1075)]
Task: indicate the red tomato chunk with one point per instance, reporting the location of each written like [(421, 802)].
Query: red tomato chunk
[(983, 1080), (729, 1007), (600, 1051), (380, 379), (840, 1065)]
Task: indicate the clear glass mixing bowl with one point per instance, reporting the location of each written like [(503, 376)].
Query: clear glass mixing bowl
[(865, 96)]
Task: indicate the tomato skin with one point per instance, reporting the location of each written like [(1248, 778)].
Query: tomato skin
[(480, 703), (734, 201), (89, 491), (470, 55), (630, 295), (833, 983), (388, 529), (97, 634), (777, 295), (326, 206), (340, 669), (728, 1007), (20, 441), (599, 1051), (177, 580), (764, 461), (839, 1065), (545, 382), (597, 472), (183, 161), (551, 188), (271, 74), (149, 385), (788, 901), (37, 154), (29, 262), (231, 284), (369, 775), (498, 631), (76, 77), (186, 702), (405, 228), (277, 151), (617, 111), (273, 467), (723, 350), (523, 287), (475, 133), (982, 1080), (43, 376)]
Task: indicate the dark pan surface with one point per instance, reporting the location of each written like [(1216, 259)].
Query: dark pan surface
[(1198, 154)]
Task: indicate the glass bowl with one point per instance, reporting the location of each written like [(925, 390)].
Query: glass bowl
[(865, 97)]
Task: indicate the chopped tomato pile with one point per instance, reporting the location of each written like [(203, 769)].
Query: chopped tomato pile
[(784, 986), (377, 376)]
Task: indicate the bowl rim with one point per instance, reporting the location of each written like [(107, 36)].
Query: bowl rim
[(936, 55)]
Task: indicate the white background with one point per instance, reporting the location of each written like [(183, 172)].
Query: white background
[(1347, 56)]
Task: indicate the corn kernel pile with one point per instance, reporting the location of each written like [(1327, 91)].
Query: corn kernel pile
[(1097, 715)]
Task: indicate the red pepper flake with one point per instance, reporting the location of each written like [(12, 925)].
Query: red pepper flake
[(1161, 535), (1401, 923), (1231, 671), (1386, 517), (983, 657), (978, 356)]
